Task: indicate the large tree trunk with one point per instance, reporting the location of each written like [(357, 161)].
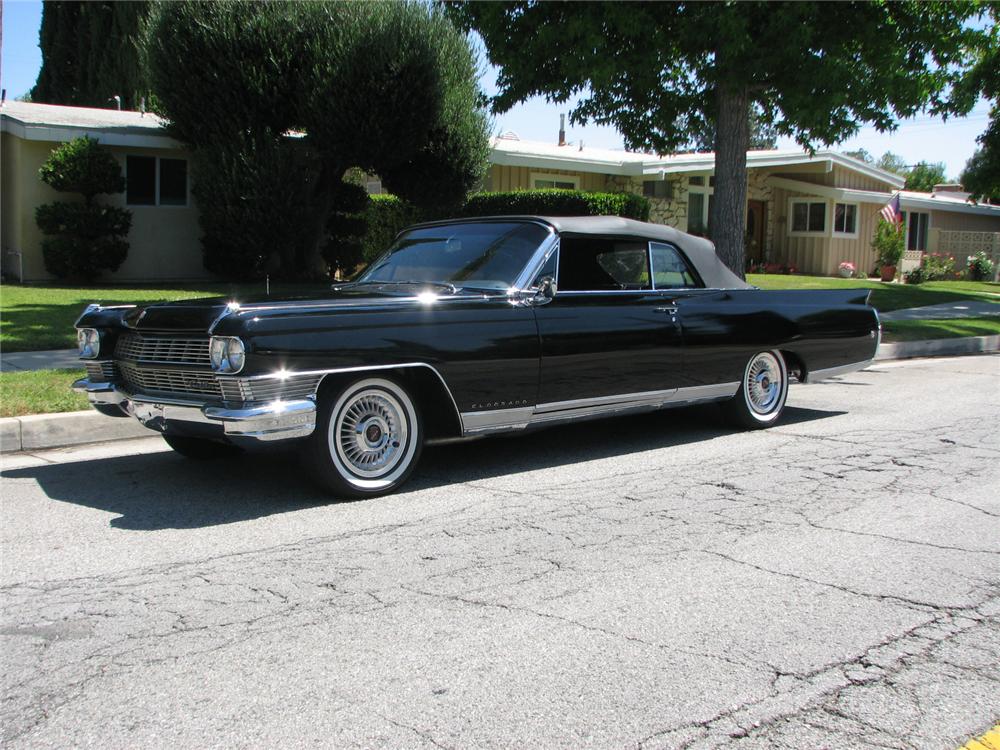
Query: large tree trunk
[(729, 208)]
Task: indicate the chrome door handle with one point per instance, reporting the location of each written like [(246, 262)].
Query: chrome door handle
[(668, 310)]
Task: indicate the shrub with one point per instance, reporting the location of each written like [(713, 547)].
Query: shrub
[(933, 267), (386, 216), (888, 243), (558, 203), (981, 267), (83, 239)]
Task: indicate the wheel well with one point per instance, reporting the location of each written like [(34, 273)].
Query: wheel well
[(794, 364), (441, 419)]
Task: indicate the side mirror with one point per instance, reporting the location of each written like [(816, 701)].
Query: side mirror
[(547, 287)]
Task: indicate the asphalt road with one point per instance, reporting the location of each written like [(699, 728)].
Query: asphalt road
[(656, 581)]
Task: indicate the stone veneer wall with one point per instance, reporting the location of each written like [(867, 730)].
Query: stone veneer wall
[(661, 211)]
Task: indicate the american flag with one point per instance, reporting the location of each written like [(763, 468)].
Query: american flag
[(891, 211)]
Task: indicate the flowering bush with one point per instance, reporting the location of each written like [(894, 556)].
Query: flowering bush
[(981, 267), (933, 267), (847, 269)]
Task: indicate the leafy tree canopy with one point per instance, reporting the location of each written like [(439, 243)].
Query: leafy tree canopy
[(923, 177), (91, 53), (660, 72), (388, 87), (981, 176), (891, 162)]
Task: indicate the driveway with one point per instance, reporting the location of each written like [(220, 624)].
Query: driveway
[(657, 581)]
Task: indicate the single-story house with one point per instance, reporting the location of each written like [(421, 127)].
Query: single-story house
[(808, 211)]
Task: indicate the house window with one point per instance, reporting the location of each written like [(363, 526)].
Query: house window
[(917, 224), (808, 217), (141, 180), (373, 187), (658, 189), (700, 202), (154, 181), (554, 182), (845, 219)]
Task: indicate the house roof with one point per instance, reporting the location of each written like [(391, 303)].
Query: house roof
[(112, 127), (512, 151)]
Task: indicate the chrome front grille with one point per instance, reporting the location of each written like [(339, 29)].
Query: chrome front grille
[(100, 372), (272, 389), (186, 383), (164, 349)]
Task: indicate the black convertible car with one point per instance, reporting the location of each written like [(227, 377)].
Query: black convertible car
[(465, 328)]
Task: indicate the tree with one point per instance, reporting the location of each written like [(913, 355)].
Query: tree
[(923, 177), (659, 72), (891, 162), (981, 176), (299, 94), (763, 136), (861, 155), (91, 53), (82, 239)]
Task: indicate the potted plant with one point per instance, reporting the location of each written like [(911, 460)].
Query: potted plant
[(888, 247), (846, 269)]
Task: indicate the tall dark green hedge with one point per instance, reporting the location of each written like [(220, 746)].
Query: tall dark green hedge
[(91, 52), (387, 87), (387, 215), (558, 203)]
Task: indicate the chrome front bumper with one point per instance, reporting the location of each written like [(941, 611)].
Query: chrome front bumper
[(277, 420)]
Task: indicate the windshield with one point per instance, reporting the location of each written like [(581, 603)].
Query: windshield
[(483, 255)]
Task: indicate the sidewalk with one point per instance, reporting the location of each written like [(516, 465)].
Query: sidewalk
[(54, 359), (967, 308)]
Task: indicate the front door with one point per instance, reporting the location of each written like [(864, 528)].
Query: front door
[(756, 223), (608, 333)]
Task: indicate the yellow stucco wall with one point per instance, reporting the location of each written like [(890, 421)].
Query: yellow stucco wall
[(164, 243), (503, 178)]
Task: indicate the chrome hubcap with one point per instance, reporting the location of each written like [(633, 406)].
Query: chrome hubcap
[(371, 432), (763, 383)]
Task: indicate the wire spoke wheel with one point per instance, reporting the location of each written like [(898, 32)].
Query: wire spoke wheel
[(370, 431), (368, 438), (764, 383), (762, 394)]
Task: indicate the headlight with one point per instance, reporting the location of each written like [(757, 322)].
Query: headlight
[(88, 342), (227, 353)]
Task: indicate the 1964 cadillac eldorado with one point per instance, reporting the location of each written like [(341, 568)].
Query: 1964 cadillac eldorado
[(465, 328)]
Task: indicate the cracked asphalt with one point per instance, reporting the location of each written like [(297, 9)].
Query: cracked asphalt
[(656, 582)]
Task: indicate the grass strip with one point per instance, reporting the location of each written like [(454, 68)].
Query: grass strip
[(40, 392), (919, 330), (887, 297)]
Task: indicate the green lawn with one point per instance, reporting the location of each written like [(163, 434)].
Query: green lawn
[(918, 330), (886, 297), (39, 392), (34, 318)]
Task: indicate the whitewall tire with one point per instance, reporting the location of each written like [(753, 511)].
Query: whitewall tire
[(761, 399), (368, 438)]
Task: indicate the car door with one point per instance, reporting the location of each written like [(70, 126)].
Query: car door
[(608, 336)]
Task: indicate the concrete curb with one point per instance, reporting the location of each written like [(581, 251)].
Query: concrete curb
[(40, 431), (939, 347)]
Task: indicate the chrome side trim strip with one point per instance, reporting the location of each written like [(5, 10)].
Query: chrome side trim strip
[(502, 420), (831, 372)]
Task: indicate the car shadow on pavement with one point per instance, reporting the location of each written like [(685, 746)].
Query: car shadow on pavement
[(154, 491)]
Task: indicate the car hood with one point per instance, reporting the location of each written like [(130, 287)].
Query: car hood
[(201, 315)]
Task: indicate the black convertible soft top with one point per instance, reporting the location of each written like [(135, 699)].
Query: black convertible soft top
[(699, 251)]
